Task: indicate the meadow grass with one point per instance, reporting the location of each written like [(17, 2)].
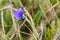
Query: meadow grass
[(42, 20)]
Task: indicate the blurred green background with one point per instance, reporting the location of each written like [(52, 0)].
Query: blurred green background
[(38, 11)]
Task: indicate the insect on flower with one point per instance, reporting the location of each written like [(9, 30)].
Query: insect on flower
[(19, 14)]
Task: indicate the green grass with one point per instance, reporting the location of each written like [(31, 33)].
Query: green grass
[(40, 23)]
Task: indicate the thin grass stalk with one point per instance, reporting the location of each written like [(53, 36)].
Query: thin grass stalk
[(2, 21)]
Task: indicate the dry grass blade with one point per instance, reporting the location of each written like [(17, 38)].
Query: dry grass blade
[(53, 6)]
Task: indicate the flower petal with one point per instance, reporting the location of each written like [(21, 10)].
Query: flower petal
[(18, 14)]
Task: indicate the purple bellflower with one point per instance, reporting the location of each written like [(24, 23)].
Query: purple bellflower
[(19, 14)]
